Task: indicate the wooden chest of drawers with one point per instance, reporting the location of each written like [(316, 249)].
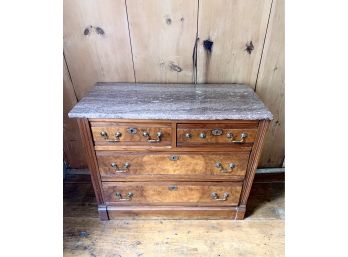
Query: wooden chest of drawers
[(172, 150)]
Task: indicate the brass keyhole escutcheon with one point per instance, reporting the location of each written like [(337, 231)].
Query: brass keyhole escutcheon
[(132, 130), (174, 157), (216, 132), (173, 188)]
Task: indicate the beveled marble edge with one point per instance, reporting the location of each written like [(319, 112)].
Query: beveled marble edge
[(263, 116), (89, 105)]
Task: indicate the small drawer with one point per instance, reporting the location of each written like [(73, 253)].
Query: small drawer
[(172, 193), (130, 134), (216, 134), (121, 166)]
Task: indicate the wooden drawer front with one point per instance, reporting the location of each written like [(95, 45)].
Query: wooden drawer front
[(172, 193), (150, 166), (215, 134), (131, 134)]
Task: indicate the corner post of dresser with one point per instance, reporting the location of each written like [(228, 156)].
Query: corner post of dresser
[(240, 212), (87, 142), (254, 160), (103, 213)]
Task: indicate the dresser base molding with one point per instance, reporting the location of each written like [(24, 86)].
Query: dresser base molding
[(174, 212), (103, 213)]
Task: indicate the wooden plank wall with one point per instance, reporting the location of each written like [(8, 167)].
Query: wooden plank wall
[(270, 86), (176, 41)]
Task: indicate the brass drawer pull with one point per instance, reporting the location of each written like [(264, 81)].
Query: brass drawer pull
[(106, 136), (202, 135), (243, 136), (148, 138), (188, 135), (118, 170), (214, 196), (119, 197), (231, 166)]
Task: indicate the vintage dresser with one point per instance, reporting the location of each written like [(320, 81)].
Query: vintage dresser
[(172, 150)]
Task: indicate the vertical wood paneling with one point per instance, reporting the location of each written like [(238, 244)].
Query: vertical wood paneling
[(230, 25), (73, 152), (270, 87), (161, 37), (163, 34), (96, 43)]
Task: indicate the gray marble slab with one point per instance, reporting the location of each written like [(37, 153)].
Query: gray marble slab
[(171, 101)]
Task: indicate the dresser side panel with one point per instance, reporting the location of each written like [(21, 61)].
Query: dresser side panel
[(253, 161), (87, 142)]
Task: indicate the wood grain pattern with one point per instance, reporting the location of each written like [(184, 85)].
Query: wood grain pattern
[(128, 138), (163, 33), (231, 25), (87, 142), (73, 152), (152, 148), (210, 140), (145, 178), (174, 238), (266, 200), (96, 43), (271, 86), (235, 123), (161, 193), (253, 161), (161, 166), (174, 212)]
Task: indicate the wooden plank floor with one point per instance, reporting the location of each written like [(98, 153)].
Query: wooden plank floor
[(260, 234)]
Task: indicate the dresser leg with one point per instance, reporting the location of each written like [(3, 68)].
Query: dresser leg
[(240, 212), (103, 213)]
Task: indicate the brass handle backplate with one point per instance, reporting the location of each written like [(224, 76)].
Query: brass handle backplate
[(231, 166), (119, 197), (148, 138), (243, 136), (105, 135), (214, 196), (118, 170)]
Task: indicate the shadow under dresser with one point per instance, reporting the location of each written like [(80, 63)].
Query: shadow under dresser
[(172, 150)]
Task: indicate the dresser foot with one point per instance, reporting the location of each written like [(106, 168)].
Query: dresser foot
[(240, 212), (103, 213)]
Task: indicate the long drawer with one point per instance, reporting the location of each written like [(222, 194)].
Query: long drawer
[(172, 193), (122, 166)]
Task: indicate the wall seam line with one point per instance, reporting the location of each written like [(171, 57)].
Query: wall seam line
[(73, 86), (263, 46), (130, 41), (196, 43)]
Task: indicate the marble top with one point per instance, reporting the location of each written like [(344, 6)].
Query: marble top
[(172, 102)]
